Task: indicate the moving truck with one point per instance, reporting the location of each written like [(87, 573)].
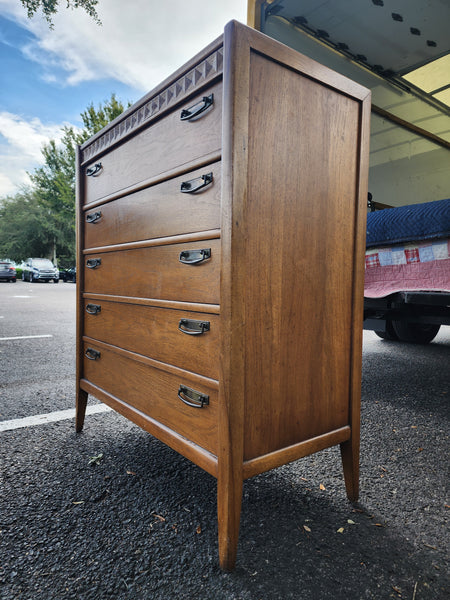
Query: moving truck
[(401, 53)]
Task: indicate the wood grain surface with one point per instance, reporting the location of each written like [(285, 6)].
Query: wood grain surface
[(154, 332), (168, 143)]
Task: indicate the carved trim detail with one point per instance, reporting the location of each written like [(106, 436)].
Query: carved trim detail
[(200, 74)]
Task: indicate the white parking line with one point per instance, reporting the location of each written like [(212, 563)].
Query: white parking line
[(52, 417), (26, 337)]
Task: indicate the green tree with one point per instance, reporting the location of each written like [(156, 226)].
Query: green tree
[(24, 228), (54, 185), (95, 119), (47, 210), (50, 7)]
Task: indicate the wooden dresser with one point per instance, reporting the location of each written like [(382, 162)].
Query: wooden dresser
[(221, 236)]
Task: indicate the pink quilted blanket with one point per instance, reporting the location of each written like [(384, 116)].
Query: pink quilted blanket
[(423, 266)]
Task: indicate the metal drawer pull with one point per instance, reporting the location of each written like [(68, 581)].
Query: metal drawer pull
[(93, 263), (95, 170), (92, 354), (197, 109), (194, 257), (93, 217), (191, 327), (93, 309), (192, 398), (193, 185)]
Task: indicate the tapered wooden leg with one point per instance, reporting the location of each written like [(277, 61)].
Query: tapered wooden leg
[(80, 409), (229, 502), (350, 463)]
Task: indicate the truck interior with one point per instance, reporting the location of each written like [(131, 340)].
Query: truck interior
[(400, 51)]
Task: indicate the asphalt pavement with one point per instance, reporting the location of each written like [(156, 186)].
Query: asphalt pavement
[(112, 513)]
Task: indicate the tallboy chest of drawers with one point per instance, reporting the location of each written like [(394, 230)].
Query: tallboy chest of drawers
[(221, 234)]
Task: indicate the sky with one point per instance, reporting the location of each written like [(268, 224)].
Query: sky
[(49, 76)]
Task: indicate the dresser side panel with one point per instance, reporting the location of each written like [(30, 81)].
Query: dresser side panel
[(302, 197)]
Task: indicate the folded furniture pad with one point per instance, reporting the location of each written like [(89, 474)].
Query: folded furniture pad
[(412, 223)]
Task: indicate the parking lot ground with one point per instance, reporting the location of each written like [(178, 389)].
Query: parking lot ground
[(112, 513)]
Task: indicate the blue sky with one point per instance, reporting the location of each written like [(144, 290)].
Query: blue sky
[(48, 77), (39, 89)]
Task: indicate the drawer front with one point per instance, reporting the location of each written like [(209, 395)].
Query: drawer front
[(155, 393), (156, 272), (189, 340), (158, 211), (163, 146)]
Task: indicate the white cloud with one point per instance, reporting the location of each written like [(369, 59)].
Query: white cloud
[(139, 43), (27, 136), (21, 145)]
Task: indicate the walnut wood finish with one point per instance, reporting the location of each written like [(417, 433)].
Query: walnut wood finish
[(155, 332), (156, 272), (282, 290), (290, 394), (204, 459), (156, 211), (154, 391), (81, 395), (170, 142), (291, 295)]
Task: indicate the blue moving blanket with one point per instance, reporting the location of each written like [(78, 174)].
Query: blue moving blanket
[(414, 222)]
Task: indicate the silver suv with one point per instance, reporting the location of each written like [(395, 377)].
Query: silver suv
[(39, 269)]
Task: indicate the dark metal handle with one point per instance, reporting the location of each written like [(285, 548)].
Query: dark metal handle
[(194, 257), (191, 327), (197, 109), (93, 217), (95, 170), (93, 263), (93, 309), (192, 398), (193, 185), (92, 354)]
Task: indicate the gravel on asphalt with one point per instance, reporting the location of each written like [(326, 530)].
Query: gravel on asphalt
[(112, 513)]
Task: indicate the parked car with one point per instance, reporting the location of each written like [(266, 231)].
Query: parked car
[(7, 271), (68, 274), (39, 269)]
